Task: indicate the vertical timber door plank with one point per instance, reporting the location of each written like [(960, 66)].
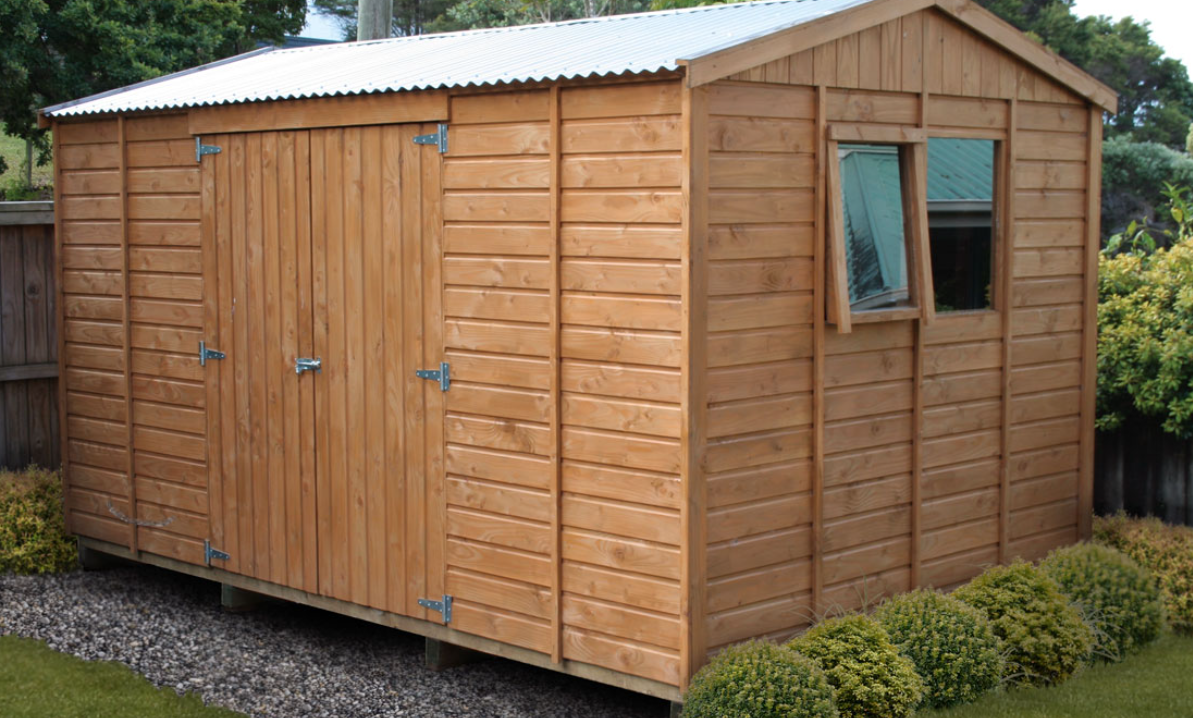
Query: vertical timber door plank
[(412, 302), (374, 364), (396, 369), (257, 356), (308, 527), (354, 299), (432, 224), (275, 357), (212, 214), (239, 354), (320, 197), (288, 347), (337, 364)]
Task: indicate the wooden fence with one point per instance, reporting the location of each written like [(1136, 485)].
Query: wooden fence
[(28, 336), (1146, 472)]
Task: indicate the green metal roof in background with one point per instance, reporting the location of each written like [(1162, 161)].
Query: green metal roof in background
[(960, 170)]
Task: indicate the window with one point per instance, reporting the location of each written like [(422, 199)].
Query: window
[(872, 209), (961, 181), (878, 245)]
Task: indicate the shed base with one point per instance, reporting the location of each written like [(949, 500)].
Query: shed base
[(416, 626), (238, 600), (442, 656)]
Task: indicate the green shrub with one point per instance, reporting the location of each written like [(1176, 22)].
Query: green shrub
[(758, 679), (1145, 327), (1119, 598), (32, 525), (1046, 639), (871, 679), (1166, 551), (951, 643)]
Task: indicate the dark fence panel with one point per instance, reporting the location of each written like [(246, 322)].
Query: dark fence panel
[(28, 337), (1146, 472)]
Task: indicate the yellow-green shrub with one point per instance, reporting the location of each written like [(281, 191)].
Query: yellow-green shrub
[(32, 526), (1119, 598), (951, 643), (870, 677), (1166, 551), (758, 679), (1046, 639)]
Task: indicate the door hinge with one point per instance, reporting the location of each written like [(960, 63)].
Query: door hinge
[(444, 606), (437, 138), (205, 354), (202, 149), (213, 553), (441, 375)]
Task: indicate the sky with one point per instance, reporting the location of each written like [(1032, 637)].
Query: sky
[(1171, 21)]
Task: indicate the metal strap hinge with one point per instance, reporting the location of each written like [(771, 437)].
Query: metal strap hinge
[(444, 606), (442, 375), (210, 553), (202, 149), (205, 354), (438, 138)]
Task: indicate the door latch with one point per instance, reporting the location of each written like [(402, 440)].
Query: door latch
[(205, 354), (441, 375), (302, 364)]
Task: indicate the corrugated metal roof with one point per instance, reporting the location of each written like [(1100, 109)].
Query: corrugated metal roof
[(617, 45), (960, 169)]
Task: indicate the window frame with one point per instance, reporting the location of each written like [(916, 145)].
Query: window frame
[(913, 172)]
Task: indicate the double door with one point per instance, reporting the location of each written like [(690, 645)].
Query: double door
[(323, 293)]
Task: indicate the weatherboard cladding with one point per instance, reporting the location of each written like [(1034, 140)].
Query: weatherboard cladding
[(617, 45)]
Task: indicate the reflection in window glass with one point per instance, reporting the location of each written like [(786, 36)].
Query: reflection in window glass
[(875, 249), (961, 222)]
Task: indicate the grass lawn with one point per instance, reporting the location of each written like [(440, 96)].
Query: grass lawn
[(1155, 683), (36, 682), (13, 151)]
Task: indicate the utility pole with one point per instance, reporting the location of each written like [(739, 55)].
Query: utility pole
[(373, 19)]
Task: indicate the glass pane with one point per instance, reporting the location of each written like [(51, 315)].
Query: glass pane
[(875, 250), (961, 222)]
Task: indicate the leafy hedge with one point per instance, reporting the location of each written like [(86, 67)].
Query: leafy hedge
[(1145, 327), (871, 679), (1119, 598), (757, 679), (952, 645), (32, 525), (1166, 551), (1047, 641)]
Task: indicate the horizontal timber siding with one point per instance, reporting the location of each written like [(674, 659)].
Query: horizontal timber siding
[(131, 268)]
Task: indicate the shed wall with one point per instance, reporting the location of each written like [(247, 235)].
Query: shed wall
[(133, 398), (841, 467)]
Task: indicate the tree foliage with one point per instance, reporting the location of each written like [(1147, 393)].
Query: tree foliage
[(415, 17), (1155, 93), (57, 50)]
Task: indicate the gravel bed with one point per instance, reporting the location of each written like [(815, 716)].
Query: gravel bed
[(281, 660)]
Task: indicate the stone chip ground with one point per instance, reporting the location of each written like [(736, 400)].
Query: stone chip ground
[(282, 660)]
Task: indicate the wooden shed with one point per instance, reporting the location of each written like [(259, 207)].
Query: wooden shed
[(636, 336)]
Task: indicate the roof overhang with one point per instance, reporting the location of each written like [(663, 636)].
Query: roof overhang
[(727, 61)]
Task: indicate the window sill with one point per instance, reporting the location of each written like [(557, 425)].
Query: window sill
[(874, 316)]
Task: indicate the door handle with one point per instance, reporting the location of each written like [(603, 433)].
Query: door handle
[(302, 364)]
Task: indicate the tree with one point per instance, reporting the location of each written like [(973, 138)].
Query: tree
[(57, 50), (416, 17), (411, 17), (1155, 93)]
